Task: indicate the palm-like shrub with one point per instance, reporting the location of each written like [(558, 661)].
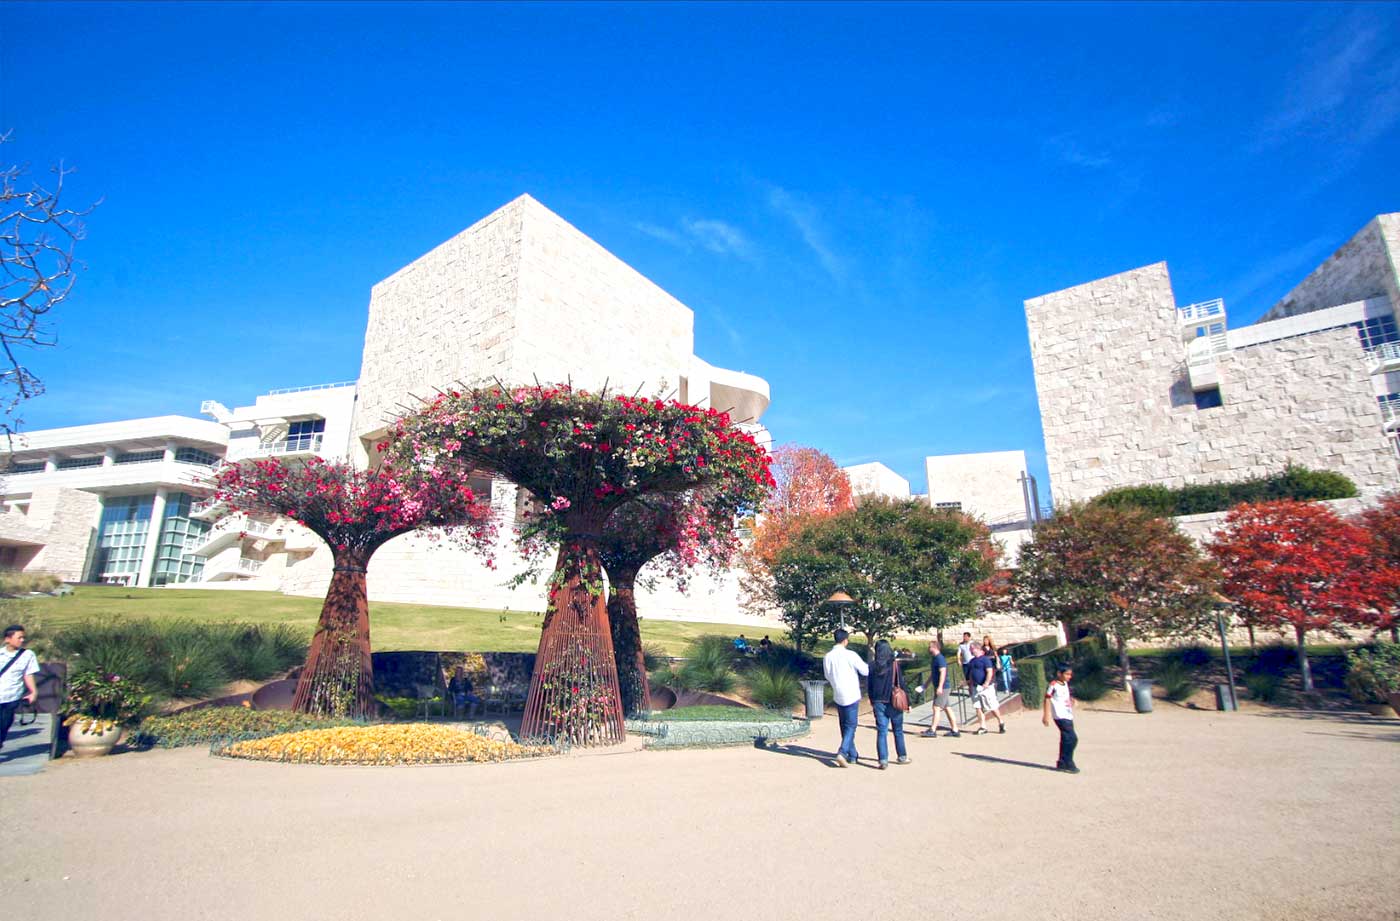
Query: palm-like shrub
[(653, 656), (1176, 681), (774, 687), (709, 665), (191, 667)]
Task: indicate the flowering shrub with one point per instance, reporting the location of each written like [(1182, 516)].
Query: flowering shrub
[(355, 512), (202, 726), (586, 456), (98, 700), (414, 743)]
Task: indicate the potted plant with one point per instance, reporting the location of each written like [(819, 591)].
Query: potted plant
[(1373, 678), (99, 705)]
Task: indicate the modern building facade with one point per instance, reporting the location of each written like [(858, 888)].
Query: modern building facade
[(519, 296), (875, 480), (1135, 388)]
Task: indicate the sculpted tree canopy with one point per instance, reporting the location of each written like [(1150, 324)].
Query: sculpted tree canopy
[(38, 237), (1128, 572), (355, 512), (908, 567), (1300, 565), (584, 456)]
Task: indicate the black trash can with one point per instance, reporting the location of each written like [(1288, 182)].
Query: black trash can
[(1224, 699), (1142, 695), (816, 698)]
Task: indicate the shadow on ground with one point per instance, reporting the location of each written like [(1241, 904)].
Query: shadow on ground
[(1012, 761)]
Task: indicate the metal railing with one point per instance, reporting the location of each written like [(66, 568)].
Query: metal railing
[(1390, 414), (205, 506), (293, 444), (312, 387), (1382, 355), (247, 566), (1201, 312)]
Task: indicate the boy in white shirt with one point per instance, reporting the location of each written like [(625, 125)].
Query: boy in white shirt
[(17, 670), (1059, 706)]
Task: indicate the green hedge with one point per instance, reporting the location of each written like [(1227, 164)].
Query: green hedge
[(1036, 647), (1031, 674), (1293, 483)]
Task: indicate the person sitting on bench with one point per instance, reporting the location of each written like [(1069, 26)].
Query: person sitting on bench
[(460, 687)]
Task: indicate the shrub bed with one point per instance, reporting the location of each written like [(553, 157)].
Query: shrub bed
[(706, 733), (712, 713), (413, 743), (208, 724), (1292, 483)]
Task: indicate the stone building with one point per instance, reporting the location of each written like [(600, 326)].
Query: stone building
[(1136, 389)]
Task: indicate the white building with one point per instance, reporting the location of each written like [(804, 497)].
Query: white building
[(521, 295), (1136, 389), (875, 479)]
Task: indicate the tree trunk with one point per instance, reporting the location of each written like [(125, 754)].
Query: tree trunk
[(338, 677), (627, 645), (1250, 628), (1303, 665), (1123, 662), (574, 697), (1395, 633)]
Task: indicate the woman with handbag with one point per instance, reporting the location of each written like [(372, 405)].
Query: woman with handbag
[(889, 698)]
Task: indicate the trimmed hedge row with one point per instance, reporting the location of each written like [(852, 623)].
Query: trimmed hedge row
[(1293, 483), (1035, 672)]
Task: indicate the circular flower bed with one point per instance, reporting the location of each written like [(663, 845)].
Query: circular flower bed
[(414, 743)]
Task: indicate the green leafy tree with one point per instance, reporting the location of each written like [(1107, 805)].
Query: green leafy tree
[(1124, 570), (908, 567)]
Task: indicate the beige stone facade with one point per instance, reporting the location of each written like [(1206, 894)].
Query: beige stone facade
[(53, 535), (1119, 406), (1367, 266)]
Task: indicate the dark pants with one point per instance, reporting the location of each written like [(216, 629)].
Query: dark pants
[(848, 716), (1068, 740), (7, 717)]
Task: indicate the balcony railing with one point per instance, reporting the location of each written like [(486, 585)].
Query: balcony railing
[(1384, 357), (312, 387), (1204, 312), (293, 444), (247, 566), (1390, 415), (239, 524)]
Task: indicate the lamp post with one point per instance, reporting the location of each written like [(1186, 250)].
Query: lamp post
[(841, 602), (1221, 604)]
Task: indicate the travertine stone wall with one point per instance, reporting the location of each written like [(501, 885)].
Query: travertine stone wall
[(1366, 266), (988, 484), (1117, 409), (447, 316), (64, 521), (875, 479)]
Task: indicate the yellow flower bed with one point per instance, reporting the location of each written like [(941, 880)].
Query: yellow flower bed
[(412, 743)]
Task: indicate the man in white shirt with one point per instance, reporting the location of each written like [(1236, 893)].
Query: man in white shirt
[(843, 669), (17, 670)]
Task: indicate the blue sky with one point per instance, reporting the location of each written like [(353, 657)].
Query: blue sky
[(855, 200)]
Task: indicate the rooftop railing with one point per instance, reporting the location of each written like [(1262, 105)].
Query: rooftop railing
[(312, 387), (1202, 312), (293, 444)]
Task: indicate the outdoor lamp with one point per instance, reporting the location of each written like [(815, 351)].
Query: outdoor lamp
[(840, 601)]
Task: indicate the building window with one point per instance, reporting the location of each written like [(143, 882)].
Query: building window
[(195, 456), (948, 506), (305, 435), (27, 467), (173, 565), (1208, 399), (139, 457), (1377, 331), (76, 463), (121, 538)]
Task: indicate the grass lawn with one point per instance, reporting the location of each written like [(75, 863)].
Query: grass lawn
[(392, 626)]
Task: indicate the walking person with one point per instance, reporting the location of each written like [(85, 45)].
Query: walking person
[(989, 649), (1059, 706), (980, 676), (884, 679), (964, 657), (938, 685), (18, 666), (843, 669)]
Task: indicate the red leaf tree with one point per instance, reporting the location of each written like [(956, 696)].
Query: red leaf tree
[(656, 537), (807, 485), (1383, 522), (1125, 571), (585, 456), (1299, 565), (355, 512)]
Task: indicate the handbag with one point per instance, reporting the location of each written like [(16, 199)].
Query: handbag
[(899, 699)]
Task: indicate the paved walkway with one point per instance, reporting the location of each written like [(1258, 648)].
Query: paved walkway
[(26, 750)]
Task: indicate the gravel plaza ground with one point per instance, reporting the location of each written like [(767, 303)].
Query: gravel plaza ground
[(1178, 815)]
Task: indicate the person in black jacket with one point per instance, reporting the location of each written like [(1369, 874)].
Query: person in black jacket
[(881, 683)]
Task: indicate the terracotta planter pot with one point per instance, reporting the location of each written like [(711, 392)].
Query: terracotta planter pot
[(1394, 703), (86, 744)]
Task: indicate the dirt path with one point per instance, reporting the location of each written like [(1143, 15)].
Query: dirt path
[(1177, 815)]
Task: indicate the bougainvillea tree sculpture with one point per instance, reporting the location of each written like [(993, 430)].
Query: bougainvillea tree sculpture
[(657, 537), (584, 456), (1299, 565), (355, 512)]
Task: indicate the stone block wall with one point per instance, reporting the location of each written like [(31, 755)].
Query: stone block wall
[(1117, 408), (446, 316), (987, 484), (65, 520), (1366, 266)]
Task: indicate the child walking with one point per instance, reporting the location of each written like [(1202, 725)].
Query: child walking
[(1059, 705)]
